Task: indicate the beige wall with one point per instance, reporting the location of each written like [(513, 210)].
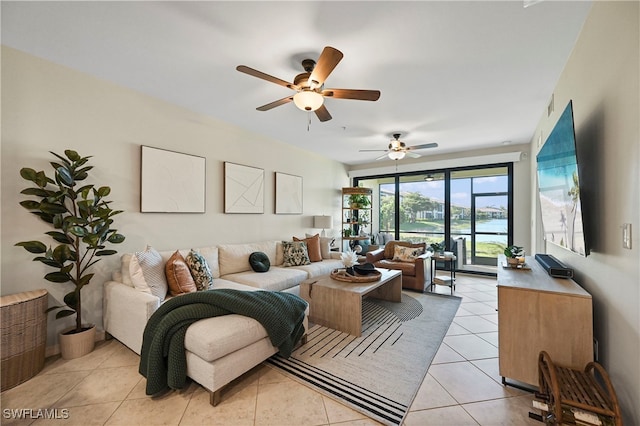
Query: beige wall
[(602, 78), (46, 107)]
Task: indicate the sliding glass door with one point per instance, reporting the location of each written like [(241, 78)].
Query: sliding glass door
[(467, 209)]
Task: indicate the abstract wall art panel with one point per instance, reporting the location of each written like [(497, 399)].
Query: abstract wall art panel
[(288, 194), (171, 182), (243, 189)]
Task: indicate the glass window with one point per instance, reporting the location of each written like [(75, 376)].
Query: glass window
[(467, 208)]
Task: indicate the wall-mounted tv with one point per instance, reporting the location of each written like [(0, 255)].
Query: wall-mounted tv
[(559, 187)]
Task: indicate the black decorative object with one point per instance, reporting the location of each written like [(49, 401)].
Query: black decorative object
[(365, 268), (259, 261)]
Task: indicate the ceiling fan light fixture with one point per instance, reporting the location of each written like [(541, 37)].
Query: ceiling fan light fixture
[(308, 100), (396, 155), (429, 178)]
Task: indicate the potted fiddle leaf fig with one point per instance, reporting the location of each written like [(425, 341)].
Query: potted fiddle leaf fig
[(81, 220)]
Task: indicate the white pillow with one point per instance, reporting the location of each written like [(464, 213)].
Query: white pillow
[(147, 273), (279, 254), (125, 264)]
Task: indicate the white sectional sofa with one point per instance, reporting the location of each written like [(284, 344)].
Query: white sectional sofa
[(222, 348)]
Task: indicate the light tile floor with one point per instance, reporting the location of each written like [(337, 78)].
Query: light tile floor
[(462, 387)]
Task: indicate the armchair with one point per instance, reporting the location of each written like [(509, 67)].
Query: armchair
[(414, 274)]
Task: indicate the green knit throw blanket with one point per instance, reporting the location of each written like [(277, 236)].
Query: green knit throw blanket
[(163, 360)]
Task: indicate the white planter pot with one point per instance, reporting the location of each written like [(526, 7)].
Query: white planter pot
[(75, 345)]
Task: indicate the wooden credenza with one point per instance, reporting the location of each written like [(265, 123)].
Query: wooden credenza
[(537, 312)]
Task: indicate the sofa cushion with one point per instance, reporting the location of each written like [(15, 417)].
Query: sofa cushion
[(200, 270), (125, 264), (259, 261), (234, 258), (276, 279), (215, 337), (313, 247), (389, 248), (295, 253), (406, 254), (211, 255), (407, 268), (325, 245), (222, 283), (146, 270), (178, 275), (316, 269)]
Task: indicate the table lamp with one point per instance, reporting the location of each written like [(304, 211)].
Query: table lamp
[(323, 222)]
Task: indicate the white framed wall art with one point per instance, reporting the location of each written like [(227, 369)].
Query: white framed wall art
[(171, 182), (288, 194)]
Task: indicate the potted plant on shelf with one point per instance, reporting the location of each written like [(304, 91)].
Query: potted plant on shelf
[(359, 201), (81, 219), (514, 254)]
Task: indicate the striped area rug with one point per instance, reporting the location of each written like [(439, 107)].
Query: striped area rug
[(380, 372)]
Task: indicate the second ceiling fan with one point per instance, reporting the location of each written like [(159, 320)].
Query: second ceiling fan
[(398, 149), (309, 85)]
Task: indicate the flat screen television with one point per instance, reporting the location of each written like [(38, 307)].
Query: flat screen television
[(559, 187)]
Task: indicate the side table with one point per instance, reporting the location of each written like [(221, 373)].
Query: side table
[(448, 280), (24, 336)]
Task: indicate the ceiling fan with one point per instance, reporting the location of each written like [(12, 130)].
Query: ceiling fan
[(398, 149), (309, 85)]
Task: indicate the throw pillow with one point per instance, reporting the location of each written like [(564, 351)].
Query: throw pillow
[(313, 247), (405, 254), (147, 273), (259, 261), (295, 253), (125, 264), (179, 275), (200, 270), (325, 245)]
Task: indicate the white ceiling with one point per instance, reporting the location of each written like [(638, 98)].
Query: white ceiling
[(464, 74)]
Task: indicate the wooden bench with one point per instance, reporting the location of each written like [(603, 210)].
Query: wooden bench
[(565, 388)]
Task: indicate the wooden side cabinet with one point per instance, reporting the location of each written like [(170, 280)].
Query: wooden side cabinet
[(539, 313)]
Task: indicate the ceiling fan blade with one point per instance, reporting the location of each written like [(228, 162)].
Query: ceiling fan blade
[(327, 61), (361, 95), (411, 154), (323, 114), (385, 155), (255, 73), (423, 146), (372, 150), (274, 104)]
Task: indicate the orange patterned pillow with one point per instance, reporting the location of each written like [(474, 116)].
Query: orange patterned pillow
[(313, 247), (179, 275)]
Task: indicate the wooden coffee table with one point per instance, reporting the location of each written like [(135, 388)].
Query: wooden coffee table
[(338, 304)]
